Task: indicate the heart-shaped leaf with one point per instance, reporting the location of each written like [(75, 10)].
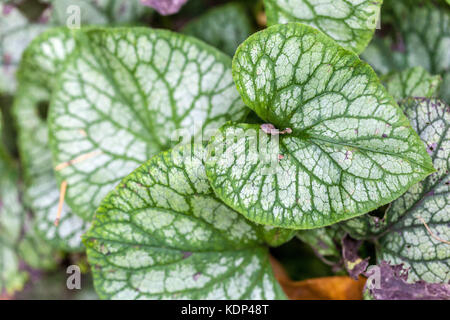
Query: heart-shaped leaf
[(37, 76), (127, 94), (350, 22), (344, 147), (224, 27), (415, 229), (162, 234), (414, 82)]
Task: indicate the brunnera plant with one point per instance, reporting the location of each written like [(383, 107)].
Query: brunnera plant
[(351, 149), (178, 161), (175, 239), (426, 203)]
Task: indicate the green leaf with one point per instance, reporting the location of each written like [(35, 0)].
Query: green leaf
[(45, 57), (126, 95), (351, 149), (37, 252), (12, 279), (382, 57), (4, 153), (408, 241), (8, 132), (421, 37), (445, 92), (350, 22), (13, 225), (37, 76), (11, 219), (425, 33), (414, 82), (275, 237), (325, 242), (16, 32), (402, 234), (162, 234), (224, 27), (93, 12)]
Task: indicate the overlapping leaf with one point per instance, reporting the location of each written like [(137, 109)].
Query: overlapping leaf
[(224, 27), (410, 231), (275, 237), (324, 242), (350, 22), (422, 38), (425, 34), (409, 241), (128, 94), (37, 76), (162, 234), (383, 55), (347, 147), (414, 82), (17, 242)]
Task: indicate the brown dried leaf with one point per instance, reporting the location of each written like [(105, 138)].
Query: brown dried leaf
[(326, 288)]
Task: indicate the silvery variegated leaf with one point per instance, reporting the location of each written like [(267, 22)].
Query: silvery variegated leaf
[(163, 234), (425, 33), (415, 229), (37, 78), (17, 241), (344, 147), (413, 82), (351, 23), (421, 37), (127, 94)]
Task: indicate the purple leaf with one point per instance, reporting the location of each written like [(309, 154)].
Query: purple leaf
[(352, 262), (165, 7), (389, 282)]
